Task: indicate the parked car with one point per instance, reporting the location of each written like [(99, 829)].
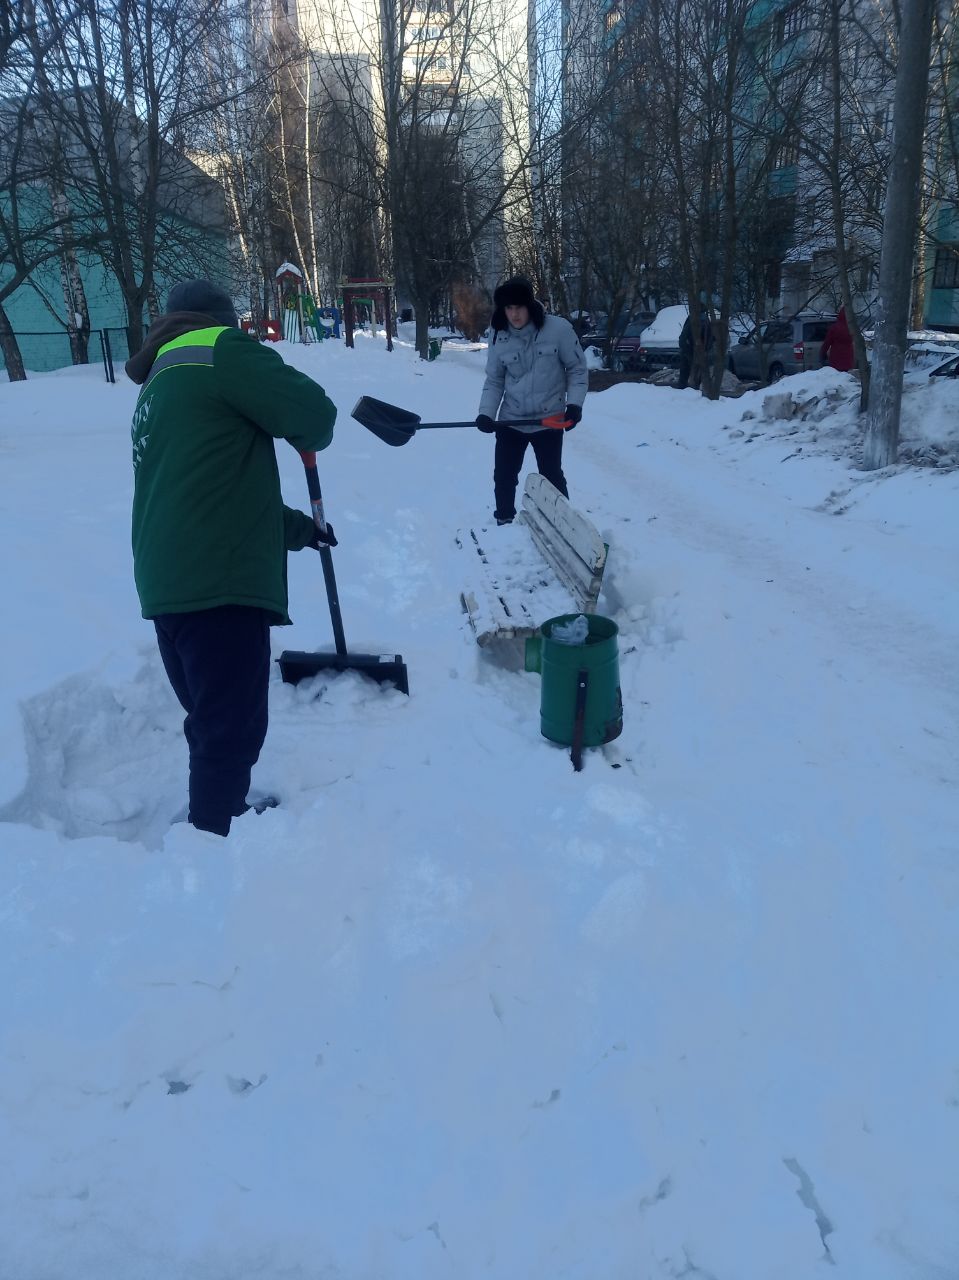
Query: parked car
[(658, 346), (597, 334), (927, 360), (790, 346), (592, 329), (625, 354)]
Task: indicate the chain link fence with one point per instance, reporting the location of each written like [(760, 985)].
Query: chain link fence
[(44, 352)]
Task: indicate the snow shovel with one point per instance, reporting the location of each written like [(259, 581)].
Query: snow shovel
[(397, 426), (296, 666)]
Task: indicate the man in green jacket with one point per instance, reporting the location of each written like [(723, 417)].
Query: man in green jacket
[(210, 530)]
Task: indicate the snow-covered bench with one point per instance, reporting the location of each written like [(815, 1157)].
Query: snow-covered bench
[(550, 561)]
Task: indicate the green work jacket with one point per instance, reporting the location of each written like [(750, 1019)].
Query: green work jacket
[(209, 524)]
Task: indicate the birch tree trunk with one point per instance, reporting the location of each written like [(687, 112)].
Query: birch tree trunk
[(71, 281), (310, 267), (899, 235)]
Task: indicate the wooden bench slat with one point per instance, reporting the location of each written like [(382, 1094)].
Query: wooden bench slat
[(582, 579), (573, 527), (513, 596)]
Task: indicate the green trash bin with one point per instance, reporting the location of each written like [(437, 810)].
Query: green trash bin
[(581, 704), (436, 346)]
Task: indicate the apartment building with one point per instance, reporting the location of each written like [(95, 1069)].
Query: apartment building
[(376, 77), (838, 124), (812, 131)]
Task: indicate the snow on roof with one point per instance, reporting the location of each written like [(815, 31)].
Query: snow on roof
[(285, 267)]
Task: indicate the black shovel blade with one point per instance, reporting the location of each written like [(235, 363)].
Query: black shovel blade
[(383, 668), (393, 425)]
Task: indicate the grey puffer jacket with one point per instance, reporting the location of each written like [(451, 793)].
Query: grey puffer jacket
[(532, 373)]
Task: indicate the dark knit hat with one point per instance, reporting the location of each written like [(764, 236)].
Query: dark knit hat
[(515, 292), (204, 297)]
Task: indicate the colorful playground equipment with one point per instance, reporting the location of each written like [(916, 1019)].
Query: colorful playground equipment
[(302, 320)]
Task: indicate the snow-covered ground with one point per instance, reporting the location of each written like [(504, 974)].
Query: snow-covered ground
[(454, 1010)]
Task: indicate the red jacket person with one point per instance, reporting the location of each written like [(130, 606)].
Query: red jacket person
[(837, 349)]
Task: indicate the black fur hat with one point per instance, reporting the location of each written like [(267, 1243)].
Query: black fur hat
[(515, 292)]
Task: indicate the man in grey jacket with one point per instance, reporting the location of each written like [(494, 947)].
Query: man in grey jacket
[(535, 369)]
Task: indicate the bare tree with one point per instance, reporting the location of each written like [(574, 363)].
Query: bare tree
[(32, 231), (243, 63), (123, 79), (899, 234), (849, 157), (698, 51), (614, 176), (73, 293), (438, 102)]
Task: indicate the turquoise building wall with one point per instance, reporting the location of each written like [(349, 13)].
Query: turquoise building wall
[(41, 329), (942, 305)]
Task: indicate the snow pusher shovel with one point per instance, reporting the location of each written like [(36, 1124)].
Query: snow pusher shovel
[(296, 666), (397, 426)]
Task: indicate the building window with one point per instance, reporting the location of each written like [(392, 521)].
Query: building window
[(790, 89), (946, 273), (790, 22), (786, 154)]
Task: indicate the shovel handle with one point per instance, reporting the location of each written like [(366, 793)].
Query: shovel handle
[(554, 420), (313, 484), (326, 556)]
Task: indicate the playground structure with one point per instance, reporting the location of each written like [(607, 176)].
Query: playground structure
[(298, 313), (356, 293), (301, 320)]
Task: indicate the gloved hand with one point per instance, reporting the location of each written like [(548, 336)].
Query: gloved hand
[(325, 539), (486, 424), (573, 413)]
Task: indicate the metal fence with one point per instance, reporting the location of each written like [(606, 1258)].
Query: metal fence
[(44, 352), (115, 346), (41, 352)]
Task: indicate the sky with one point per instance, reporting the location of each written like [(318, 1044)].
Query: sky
[(453, 1009)]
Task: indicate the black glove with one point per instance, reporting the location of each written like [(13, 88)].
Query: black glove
[(572, 414), (325, 539), (486, 424)]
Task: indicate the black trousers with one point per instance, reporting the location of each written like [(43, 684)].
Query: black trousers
[(508, 459), (218, 662)]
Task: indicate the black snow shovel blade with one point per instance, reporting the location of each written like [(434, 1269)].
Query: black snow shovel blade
[(397, 426), (393, 425), (297, 665)]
